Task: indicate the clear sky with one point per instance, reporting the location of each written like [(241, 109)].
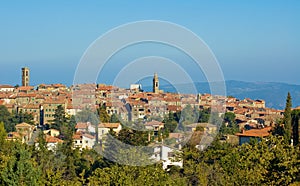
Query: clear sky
[(255, 40)]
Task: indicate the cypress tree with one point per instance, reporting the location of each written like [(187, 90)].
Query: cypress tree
[(287, 120)]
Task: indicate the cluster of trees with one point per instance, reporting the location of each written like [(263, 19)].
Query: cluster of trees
[(11, 119), (268, 162), (189, 115), (288, 127)]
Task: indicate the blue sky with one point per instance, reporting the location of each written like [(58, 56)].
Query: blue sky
[(253, 40)]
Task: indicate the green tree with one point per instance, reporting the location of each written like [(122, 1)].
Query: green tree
[(229, 125), (60, 118), (170, 122), (287, 120), (72, 123), (20, 117), (133, 137), (103, 116), (189, 115), (204, 115), (2, 135), (62, 123), (5, 117), (20, 169), (114, 118), (87, 115)]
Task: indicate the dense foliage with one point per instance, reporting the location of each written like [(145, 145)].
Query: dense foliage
[(11, 119), (270, 161)]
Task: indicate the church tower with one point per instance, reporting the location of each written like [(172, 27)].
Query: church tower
[(155, 84), (25, 76)]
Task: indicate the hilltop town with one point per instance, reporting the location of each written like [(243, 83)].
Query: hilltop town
[(128, 105), (90, 114)]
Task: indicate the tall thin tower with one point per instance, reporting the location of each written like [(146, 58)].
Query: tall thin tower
[(25, 76), (155, 84)]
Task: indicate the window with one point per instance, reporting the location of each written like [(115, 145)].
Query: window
[(86, 141)]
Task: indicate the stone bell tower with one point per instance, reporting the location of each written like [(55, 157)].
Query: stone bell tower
[(155, 84), (25, 76)]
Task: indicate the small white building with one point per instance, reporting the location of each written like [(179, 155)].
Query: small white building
[(52, 142), (104, 128), (83, 140), (88, 141), (166, 155), (6, 88)]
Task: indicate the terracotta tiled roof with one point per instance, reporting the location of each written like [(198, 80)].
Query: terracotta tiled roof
[(175, 135), (81, 125), (109, 125), (26, 88), (26, 95), (173, 108), (152, 123), (23, 125), (51, 139), (256, 132), (77, 136), (88, 136)]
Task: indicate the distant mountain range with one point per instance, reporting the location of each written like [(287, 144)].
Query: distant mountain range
[(273, 93)]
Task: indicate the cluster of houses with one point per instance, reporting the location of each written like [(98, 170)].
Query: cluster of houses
[(131, 104), (128, 104)]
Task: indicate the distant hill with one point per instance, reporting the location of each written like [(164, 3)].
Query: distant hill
[(273, 93)]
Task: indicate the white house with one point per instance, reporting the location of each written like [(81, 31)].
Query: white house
[(104, 128), (6, 88), (166, 155), (83, 140), (88, 141), (52, 142)]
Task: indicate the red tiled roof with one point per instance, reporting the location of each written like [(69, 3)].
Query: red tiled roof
[(51, 139), (109, 125), (23, 125), (26, 88), (152, 123), (81, 125), (88, 136), (175, 135), (256, 132), (77, 136)]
